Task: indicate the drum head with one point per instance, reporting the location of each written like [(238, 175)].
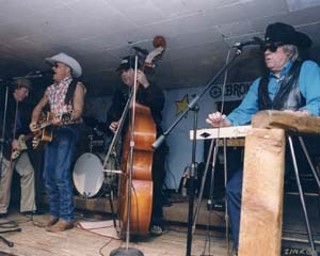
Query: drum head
[(88, 175)]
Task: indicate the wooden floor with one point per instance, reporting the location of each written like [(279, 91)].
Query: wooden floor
[(34, 241)]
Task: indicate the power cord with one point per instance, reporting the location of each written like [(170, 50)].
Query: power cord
[(10, 226)]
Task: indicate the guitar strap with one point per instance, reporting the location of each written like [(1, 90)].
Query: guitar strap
[(69, 95), (70, 92)]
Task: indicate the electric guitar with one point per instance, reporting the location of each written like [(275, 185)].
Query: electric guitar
[(23, 146), (43, 132)]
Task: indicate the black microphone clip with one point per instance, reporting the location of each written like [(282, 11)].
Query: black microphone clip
[(256, 41)]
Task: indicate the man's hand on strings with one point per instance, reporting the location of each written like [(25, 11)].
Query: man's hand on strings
[(142, 79), (33, 126), (56, 120), (114, 126), (15, 145), (217, 119)]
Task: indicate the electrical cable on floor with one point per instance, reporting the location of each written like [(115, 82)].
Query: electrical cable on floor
[(8, 227), (8, 224)]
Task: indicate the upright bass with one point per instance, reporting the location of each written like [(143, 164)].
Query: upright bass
[(135, 197)]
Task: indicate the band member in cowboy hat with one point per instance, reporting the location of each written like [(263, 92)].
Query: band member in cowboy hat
[(290, 85), (150, 95), (65, 97)]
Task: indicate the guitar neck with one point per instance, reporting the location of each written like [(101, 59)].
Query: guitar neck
[(45, 124), (65, 118)]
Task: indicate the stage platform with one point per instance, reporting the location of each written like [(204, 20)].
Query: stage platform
[(176, 209)]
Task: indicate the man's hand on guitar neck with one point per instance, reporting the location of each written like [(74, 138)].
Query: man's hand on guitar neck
[(34, 126)]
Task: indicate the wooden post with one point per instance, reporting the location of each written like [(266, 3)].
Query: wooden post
[(262, 193)]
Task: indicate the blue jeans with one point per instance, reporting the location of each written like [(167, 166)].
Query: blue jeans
[(233, 194), (58, 158)]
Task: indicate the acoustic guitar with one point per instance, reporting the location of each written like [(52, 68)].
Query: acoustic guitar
[(43, 132)]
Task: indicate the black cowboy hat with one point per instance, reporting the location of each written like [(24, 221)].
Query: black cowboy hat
[(127, 63), (286, 34)]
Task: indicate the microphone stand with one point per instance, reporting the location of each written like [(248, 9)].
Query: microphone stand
[(192, 176), (117, 134), (213, 148), (2, 141), (191, 106), (130, 251), (112, 150)]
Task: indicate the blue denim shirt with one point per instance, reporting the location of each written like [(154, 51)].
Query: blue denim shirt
[(309, 84)]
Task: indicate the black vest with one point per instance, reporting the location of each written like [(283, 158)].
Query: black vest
[(288, 97)]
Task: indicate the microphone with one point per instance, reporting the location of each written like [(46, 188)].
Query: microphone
[(143, 51), (38, 74), (255, 41)]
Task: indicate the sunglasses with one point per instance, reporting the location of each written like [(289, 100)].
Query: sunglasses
[(272, 47), (58, 64)]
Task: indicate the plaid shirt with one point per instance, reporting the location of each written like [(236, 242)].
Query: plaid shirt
[(56, 96)]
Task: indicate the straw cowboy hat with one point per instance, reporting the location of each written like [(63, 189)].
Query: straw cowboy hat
[(69, 61)]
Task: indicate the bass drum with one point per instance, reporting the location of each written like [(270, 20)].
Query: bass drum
[(88, 175)]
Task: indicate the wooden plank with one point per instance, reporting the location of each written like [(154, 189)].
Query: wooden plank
[(262, 193), (231, 142), (289, 121)]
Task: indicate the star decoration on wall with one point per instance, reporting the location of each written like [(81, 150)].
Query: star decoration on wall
[(182, 105)]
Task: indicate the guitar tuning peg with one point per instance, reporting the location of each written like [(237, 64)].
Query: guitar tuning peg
[(35, 142)]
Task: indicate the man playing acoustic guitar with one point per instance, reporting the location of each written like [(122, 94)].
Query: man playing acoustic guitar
[(64, 97)]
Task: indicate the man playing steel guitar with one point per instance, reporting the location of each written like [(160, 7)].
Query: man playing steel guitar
[(290, 85)]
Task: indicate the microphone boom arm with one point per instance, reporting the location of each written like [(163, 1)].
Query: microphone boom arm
[(194, 101)]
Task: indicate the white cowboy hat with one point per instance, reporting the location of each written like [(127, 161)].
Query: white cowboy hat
[(68, 60)]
